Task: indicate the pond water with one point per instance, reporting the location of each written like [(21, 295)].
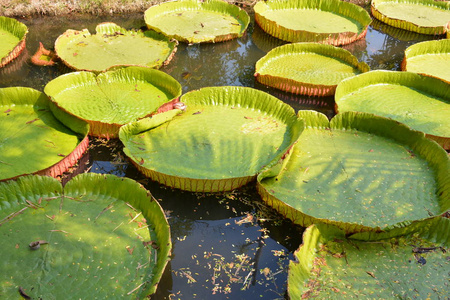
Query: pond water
[(225, 246)]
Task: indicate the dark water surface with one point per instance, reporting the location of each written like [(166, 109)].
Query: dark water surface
[(226, 246)]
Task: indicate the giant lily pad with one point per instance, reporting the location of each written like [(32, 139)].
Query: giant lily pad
[(420, 102), (32, 140), (330, 22), (12, 35), (422, 16), (109, 100), (431, 58), (113, 46), (329, 266), (221, 141), (360, 172), (307, 68), (195, 21), (99, 235)]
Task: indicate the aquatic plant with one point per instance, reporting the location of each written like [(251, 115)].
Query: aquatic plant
[(109, 100), (330, 22), (33, 141), (307, 68), (98, 235), (13, 35), (44, 57), (361, 173), (418, 101), (218, 142), (111, 48), (195, 21), (329, 265), (422, 16), (431, 58)]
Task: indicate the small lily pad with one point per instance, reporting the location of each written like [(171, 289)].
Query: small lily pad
[(98, 235), (44, 57), (12, 35), (422, 16), (32, 140), (423, 103), (359, 172), (329, 22), (222, 139), (431, 58), (113, 46), (195, 21), (111, 99), (307, 68)]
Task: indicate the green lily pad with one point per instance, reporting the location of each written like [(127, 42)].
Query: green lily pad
[(113, 46), (12, 34), (422, 16), (224, 137), (99, 235), (195, 21), (32, 140), (423, 103), (431, 58), (307, 68), (109, 100), (329, 22), (329, 266), (360, 172)]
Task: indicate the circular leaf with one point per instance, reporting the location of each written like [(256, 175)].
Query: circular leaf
[(431, 58), (12, 35), (32, 140), (109, 100), (195, 21), (221, 141), (307, 68), (99, 235), (329, 266), (359, 172), (330, 22), (420, 102), (422, 16), (110, 47)]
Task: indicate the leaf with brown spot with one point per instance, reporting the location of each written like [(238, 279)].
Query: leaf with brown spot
[(32, 121)]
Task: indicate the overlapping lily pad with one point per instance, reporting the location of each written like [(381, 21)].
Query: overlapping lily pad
[(12, 35), (113, 46), (423, 103), (109, 100), (307, 68), (99, 235), (32, 140), (194, 21), (225, 136), (422, 16), (431, 58), (329, 266), (360, 172), (330, 22)]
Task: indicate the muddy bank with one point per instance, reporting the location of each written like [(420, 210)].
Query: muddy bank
[(27, 8)]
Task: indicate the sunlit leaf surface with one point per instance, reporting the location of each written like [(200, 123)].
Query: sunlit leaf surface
[(100, 235), (32, 139), (360, 172), (195, 21), (331, 267)]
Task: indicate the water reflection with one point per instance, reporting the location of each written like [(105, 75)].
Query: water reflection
[(221, 64)]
